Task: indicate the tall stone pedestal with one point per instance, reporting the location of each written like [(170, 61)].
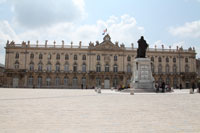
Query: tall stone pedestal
[(142, 79)]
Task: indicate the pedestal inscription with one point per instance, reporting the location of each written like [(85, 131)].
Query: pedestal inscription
[(144, 72)]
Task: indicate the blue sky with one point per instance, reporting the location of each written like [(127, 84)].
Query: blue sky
[(171, 22)]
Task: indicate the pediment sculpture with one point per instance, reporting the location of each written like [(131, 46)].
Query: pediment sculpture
[(105, 45)]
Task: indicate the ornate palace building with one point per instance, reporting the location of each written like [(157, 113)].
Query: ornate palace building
[(1, 74), (198, 70), (102, 64)]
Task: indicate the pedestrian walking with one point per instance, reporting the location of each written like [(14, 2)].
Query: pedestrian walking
[(193, 86), (170, 89), (163, 87), (180, 86), (157, 87), (199, 87)]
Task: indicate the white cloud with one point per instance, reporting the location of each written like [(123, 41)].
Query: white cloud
[(192, 0), (158, 44), (189, 29), (6, 33), (40, 13), (2, 1), (123, 29), (186, 46), (180, 44), (174, 45)]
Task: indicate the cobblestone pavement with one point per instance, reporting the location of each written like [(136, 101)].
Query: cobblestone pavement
[(84, 111)]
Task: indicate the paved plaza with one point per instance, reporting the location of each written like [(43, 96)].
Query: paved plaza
[(85, 111)]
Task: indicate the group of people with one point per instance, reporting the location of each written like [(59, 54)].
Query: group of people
[(82, 86), (163, 87), (122, 87), (166, 88), (194, 87)]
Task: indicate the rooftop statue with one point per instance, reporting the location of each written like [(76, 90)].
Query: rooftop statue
[(142, 47)]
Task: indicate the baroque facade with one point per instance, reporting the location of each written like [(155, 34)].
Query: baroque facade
[(198, 69), (1, 74), (102, 64)]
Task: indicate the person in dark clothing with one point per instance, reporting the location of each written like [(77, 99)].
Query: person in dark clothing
[(163, 86), (81, 86), (170, 89), (199, 87), (180, 86), (193, 86), (157, 87)]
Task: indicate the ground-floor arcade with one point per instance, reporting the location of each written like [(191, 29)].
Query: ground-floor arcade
[(88, 80)]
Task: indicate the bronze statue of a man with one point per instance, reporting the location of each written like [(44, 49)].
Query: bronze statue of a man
[(142, 47)]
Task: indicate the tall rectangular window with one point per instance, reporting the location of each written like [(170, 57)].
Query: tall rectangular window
[(107, 68), (57, 67), (129, 68), (66, 81), (39, 81), (115, 69), (83, 68), (48, 68), (66, 67)]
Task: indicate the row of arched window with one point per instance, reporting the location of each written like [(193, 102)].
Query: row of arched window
[(115, 81), (167, 68), (67, 57), (49, 57), (66, 81), (167, 59), (115, 68), (98, 67), (160, 59), (75, 67), (115, 58), (168, 81), (75, 57), (57, 67), (57, 81)]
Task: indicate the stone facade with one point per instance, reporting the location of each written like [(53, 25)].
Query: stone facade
[(102, 64), (198, 69), (1, 74)]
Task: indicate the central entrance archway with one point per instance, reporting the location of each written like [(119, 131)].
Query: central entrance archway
[(15, 82), (107, 83)]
